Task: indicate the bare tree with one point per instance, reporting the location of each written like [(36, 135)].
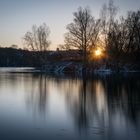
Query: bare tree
[(124, 36), (121, 36), (107, 15), (82, 32), (132, 23), (116, 39), (37, 40)]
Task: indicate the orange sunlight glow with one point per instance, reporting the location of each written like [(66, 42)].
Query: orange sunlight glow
[(98, 52)]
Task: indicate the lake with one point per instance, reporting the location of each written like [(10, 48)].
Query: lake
[(43, 106)]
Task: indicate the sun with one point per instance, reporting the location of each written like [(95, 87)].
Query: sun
[(98, 52)]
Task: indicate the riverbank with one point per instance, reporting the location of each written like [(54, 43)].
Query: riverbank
[(63, 62), (77, 68)]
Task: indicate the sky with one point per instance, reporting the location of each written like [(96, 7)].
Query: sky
[(18, 16)]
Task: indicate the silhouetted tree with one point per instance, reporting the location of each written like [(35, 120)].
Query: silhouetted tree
[(108, 13), (37, 39), (133, 35), (116, 39), (124, 37), (82, 32)]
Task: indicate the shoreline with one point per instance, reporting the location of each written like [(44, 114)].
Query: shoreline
[(76, 68)]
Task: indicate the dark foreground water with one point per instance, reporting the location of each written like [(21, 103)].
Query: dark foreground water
[(43, 107)]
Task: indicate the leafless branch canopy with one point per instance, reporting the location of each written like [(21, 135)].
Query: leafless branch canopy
[(37, 39)]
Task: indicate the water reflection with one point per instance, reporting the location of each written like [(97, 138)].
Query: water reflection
[(37, 97), (73, 108), (106, 106)]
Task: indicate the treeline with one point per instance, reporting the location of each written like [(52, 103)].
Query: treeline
[(12, 57), (119, 38), (123, 38)]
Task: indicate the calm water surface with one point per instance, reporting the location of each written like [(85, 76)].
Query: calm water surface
[(44, 107)]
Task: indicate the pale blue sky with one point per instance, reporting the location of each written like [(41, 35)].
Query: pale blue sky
[(18, 16)]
